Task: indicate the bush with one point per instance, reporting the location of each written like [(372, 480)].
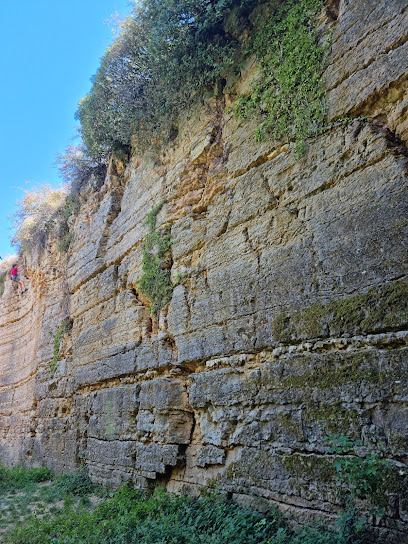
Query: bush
[(42, 211), (77, 167), (167, 52), (367, 476), (77, 483), (37, 215)]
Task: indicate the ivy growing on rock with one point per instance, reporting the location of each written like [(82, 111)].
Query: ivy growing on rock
[(61, 330), (155, 281), (366, 474), (288, 95)]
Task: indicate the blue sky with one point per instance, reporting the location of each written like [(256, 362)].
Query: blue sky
[(49, 51)]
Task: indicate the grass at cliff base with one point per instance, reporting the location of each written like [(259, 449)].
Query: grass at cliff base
[(36, 493), (40, 508)]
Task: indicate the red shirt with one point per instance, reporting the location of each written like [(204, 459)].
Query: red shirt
[(14, 271)]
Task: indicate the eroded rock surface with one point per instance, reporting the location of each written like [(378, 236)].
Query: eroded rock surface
[(288, 322)]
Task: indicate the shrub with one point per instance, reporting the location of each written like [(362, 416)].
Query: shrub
[(166, 54), (76, 483), (17, 477), (77, 167), (37, 215), (44, 210), (369, 476)]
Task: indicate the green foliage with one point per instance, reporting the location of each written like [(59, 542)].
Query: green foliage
[(76, 483), (353, 528), (368, 476), (350, 528), (155, 281), (24, 492), (17, 477), (166, 54), (288, 96), (61, 330), (2, 282), (131, 517)]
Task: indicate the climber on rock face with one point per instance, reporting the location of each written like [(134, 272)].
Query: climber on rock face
[(15, 277)]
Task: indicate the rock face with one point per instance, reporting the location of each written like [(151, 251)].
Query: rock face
[(288, 321)]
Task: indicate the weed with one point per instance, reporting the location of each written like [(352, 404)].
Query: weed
[(155, 281), (19, 477), (180, 276), (70, 207), (76, 483), (61, 330), (131, 517), (288, 96), (368, 476)]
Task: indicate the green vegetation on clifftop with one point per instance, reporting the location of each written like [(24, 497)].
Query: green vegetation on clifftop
[(167, 57), (170, 54), (166, 54)]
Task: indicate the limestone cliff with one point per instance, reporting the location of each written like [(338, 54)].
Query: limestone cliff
[(288, 321)]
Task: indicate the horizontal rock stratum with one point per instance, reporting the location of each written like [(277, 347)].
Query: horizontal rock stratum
[(288, 321)]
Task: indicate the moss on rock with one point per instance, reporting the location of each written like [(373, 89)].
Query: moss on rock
[(380, 309), (310, 467), (334, 417), (351, 369)]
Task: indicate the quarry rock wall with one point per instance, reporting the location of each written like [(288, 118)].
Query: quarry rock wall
[(288, 320)]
